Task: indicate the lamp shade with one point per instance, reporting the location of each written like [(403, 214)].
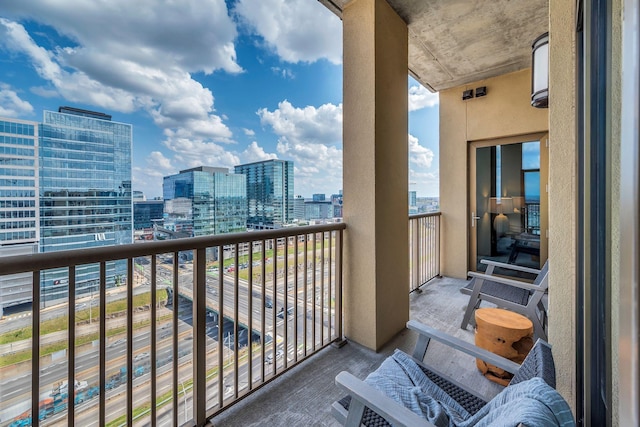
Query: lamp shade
[(501, 205), (540, 72), (518, 202)]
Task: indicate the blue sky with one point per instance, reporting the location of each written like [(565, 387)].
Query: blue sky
[(204, 82)]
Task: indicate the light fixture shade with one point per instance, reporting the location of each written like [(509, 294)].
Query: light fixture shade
[(518, 202), (501, 205), (540, 72)]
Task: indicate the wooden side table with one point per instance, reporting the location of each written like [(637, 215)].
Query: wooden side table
[(505, 333)]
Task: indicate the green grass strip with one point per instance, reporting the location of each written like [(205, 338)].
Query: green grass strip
[(24, 355), (61, 323)]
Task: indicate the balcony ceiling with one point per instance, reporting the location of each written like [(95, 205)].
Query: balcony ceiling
[(455, 42)]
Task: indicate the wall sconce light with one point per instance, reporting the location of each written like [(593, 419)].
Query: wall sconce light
[(467, 94), (540, 72), (481, 91)]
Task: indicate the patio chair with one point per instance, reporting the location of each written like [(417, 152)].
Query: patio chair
[(515, 295), (366, 405)]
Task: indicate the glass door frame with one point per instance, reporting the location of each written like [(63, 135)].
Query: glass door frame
[(473, 146)]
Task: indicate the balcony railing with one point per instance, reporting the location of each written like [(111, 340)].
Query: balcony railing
[(190, 327), (424, 248)]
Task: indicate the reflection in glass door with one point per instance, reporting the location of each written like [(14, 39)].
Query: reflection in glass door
[(506, 214)]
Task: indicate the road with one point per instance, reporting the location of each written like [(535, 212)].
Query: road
[(87, 363)]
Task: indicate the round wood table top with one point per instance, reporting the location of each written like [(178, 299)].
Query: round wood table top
[(503, 319)]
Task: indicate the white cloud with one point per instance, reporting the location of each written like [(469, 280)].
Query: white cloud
[(285, 73), (255, 153), (322, 125), (249, 132), (11, 105), (426, 183), (297, 30), (189, 153), (419, 155), (141, 60), (312, 138), (420, 97)]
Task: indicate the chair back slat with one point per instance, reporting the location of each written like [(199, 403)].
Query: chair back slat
[(538, 363), (544, 272)]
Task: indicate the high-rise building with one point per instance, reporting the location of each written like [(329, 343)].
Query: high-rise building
[(204, 201), (146, 212), (85, 192), (413, 207), (336, 202), (19, 204), (298, 207), (269, 193)]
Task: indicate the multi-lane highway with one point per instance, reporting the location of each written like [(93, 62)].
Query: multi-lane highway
[(276, 326)]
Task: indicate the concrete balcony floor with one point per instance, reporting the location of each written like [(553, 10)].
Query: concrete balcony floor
[(303, 396)]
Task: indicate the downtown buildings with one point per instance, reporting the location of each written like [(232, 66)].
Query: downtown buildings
[(270, 198), (19, 203), (85, 191), (65, 184), (205, 200)]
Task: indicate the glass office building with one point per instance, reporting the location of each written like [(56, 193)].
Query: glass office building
[(204, 201), (85, 192), (269, 193), (146, 213), (19, 214)]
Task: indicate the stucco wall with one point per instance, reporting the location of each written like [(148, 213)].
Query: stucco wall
[(562, 194), (505, 111)]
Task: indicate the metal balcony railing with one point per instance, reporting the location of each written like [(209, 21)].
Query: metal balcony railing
[(424, 248), (187, 329)]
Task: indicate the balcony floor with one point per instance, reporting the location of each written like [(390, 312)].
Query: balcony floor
[(303, 396)]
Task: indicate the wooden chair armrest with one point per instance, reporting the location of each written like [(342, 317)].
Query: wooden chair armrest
[(505, 281), (510, 266), (463, 346), (363, 395)]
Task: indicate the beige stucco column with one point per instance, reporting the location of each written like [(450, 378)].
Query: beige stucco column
[(376, 264)]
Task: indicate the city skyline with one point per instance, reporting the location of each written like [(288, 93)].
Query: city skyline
[(226, 88)]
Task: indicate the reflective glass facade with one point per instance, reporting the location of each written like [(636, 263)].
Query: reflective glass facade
[(145, 212), (205, 201), (269, 193), (19, 214), (85, 192)]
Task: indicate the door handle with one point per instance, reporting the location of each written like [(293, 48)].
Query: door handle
[(473, 219)]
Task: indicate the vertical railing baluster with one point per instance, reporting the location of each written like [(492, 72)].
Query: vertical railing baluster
[(102, 418), (274, 287), (295, 298), (339, 285), (174, 343), (154, 341), (250, 317), (220, 325), (35, 348), (329, 310), (322, 301), (263, 311), (199, 336), (285, 313), (129, 342), (315, 291), (437, 251), (71, 352), (236, 320), (306, 293)]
